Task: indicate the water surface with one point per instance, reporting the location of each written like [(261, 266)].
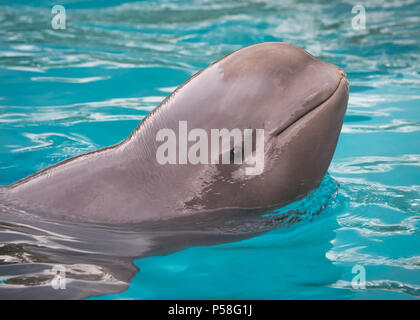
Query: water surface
[(66, 92)]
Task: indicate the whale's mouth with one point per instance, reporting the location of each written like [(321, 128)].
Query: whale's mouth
[(342, 82)]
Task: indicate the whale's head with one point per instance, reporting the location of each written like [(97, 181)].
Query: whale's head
[(300, 102), (294, 100)]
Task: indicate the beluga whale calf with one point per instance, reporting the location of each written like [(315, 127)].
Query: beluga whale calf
[(288, 104)]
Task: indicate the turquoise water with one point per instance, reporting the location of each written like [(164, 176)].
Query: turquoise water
[(66, 92)]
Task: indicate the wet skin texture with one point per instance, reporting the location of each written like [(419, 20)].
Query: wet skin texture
[(298, 100)]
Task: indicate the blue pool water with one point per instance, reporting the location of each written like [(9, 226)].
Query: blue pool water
[(66, 92)]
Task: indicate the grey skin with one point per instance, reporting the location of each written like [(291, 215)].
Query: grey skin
[(299, 101)]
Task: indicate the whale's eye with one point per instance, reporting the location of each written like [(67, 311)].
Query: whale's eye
[(232, 155), (237, 150)]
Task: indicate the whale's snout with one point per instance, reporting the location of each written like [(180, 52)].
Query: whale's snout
[(304, 148), (332, 83)]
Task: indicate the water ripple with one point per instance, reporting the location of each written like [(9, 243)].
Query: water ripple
[(369, 164), (63, 91), (387, 285)]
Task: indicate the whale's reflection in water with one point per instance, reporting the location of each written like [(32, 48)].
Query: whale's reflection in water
[(98, 259)]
